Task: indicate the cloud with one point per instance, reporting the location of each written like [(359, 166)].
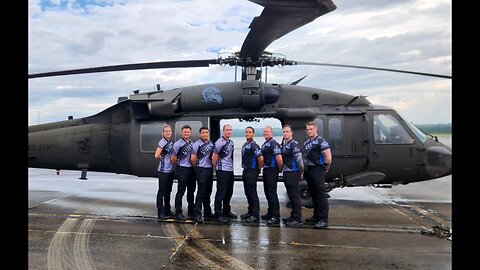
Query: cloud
[(413, 35)]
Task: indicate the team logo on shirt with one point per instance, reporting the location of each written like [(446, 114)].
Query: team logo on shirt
[(325, 144)]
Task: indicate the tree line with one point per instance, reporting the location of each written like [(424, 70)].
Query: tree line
[(428, 128)]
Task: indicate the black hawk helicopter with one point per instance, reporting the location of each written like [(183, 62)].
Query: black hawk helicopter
[(371, 144)]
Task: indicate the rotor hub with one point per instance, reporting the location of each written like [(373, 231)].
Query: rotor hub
[(265, 59)]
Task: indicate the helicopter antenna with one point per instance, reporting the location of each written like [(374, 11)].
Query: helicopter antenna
[(299, 80)]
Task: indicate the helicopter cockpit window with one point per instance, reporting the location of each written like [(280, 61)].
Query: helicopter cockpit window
[(335, 134), (388, 130), (195, 125), (420, 135), (150, 134)]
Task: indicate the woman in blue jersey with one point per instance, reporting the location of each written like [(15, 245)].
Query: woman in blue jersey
[(165, 173)]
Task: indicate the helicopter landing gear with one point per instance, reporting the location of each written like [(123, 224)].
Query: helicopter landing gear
[(84, 168), (305, 197)]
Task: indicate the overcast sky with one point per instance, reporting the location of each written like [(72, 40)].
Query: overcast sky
[(405, 34)]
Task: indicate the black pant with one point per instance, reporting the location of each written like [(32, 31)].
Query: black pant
[(225, 181), (291, 180), (165, 182), (270, 180), (186, 180), (316, 187), (250, 177), (205, 183)]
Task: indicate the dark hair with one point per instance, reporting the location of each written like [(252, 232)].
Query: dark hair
[(186, 126), (251, 128), (288, 126), (202, 128)]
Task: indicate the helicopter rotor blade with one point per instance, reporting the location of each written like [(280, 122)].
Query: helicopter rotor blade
[(374, 68), (278, 18), (138, 66)]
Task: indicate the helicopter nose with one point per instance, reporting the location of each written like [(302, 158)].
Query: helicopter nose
[(439, 161)]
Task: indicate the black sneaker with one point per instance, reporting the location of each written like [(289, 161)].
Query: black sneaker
[(208, 215), (221, 219), (169, 214), (162, 216), (321, 225), (252, 219), (266, 216), (180, 216), (245, 216), (312, 220), (292, 223), (198, 218), (273, 220), (229, 215)]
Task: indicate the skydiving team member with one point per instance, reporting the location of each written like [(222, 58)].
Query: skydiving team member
[(252, 161), (165, 173), (222, 161), (292, 174), (273, 163), (181, 157), (202, 161), (318, 161)]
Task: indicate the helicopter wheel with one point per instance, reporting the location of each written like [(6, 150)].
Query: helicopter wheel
[(305, 197)]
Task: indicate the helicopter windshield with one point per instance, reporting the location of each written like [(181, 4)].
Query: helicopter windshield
[(388, 130), (420, 135)]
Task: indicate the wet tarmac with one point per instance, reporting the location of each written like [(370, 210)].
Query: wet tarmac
[(109, 222)]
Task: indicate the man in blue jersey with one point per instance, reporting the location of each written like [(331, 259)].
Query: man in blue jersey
[(292, 174), (202, 162), (165, 173), (181, 157), (273, 163), (222, 161), (252, 161), (318, 161)]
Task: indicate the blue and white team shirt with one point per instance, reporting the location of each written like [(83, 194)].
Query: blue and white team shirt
[(204, 151), (224, 149), (165, 165), (292, 157), (314, 149), (250, 152), (183, 150), (270, 150)]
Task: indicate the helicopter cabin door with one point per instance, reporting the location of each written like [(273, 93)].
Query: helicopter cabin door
[(347, 136), (149, 133), (392, 147)]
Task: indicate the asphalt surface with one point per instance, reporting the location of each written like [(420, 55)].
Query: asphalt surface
[(109, 222)]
